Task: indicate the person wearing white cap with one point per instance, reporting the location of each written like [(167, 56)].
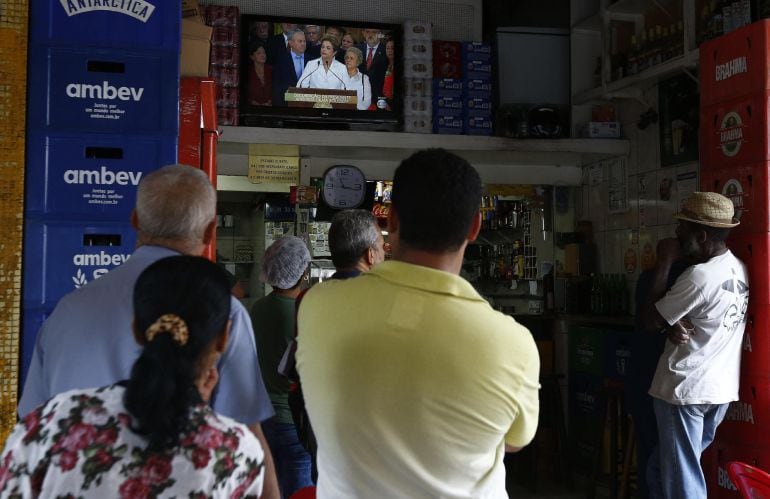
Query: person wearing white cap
[(703, 316), (284, 266)]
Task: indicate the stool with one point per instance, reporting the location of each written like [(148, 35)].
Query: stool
[(615, 417)]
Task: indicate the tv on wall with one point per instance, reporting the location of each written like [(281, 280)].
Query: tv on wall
[(279, 53)]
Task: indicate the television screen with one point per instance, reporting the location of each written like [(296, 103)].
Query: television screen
[(315, 73)]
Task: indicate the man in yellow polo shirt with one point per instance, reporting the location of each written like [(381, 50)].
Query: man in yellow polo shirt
[(415, 386)]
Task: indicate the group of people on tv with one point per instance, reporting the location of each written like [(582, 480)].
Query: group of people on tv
[(311, 57)]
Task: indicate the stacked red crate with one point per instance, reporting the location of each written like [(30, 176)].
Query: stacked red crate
[(225, 59), (735, 161)]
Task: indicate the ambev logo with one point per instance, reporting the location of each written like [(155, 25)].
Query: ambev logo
[(731, 134), (104, 91), (138, 9), (101, 261), (102, 177)]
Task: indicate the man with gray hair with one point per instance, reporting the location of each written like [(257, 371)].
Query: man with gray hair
[(87, 341), (289, 65), (355, 242)]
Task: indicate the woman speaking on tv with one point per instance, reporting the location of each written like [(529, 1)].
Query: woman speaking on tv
[(326, 71)]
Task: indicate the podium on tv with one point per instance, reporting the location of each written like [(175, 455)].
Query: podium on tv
[(321, 98)]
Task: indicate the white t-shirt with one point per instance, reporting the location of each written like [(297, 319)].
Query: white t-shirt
[(706, 370)]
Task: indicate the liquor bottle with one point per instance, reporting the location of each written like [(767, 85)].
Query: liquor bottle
[(631, 60), (660, 44), (595, 295), (641, 58)]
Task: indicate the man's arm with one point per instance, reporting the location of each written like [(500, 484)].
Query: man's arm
[(270, 488), (668, 253)]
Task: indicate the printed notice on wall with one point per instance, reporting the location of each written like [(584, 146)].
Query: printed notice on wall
[(686, 184), (273, 164), (617, 192)]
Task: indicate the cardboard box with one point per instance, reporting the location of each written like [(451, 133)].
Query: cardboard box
[(196, 44), (191, 9)]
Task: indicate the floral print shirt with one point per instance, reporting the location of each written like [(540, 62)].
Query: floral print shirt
[(80, 444)]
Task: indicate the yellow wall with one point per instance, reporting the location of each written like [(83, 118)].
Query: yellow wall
[(13, 85)]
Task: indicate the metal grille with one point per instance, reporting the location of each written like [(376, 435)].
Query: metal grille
[(458, 20), (13, 84)]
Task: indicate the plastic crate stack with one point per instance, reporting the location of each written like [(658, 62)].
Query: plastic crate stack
[(735, 161), (225, 59), (418, 62), (477, 88), (462, 88), (103, 112)]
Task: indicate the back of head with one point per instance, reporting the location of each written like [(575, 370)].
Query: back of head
[(285, 262), (174, 295), (351, 233), (436, 195), (176, 202)]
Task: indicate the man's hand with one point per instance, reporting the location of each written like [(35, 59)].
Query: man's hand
[(680, 332), (668, 251)]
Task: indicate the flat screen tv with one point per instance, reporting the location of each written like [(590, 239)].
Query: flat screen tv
[(269, 66)]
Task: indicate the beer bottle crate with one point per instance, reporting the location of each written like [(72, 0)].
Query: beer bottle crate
[(61, 256), (753, 250), (135, 24), (586, 350), (755, 356), (735, 64), (89, 176), (747, 418), (748, 186), (735, 132), (105, 91)]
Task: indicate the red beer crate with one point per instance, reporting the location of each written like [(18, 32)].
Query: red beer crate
[(755, 358), (749, 189), (752, 250), (735, 132), (748, 417), (735, 64)]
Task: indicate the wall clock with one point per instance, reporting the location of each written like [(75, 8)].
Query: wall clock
[(344, 186)]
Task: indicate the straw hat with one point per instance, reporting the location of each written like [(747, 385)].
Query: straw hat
[(708, 208)]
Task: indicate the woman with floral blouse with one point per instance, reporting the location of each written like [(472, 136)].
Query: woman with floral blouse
[(152, 435)]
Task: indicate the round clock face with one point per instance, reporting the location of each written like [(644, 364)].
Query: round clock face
[(344, 186)]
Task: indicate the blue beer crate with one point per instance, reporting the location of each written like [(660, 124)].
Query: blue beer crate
[(60, 257), (477, 106), (448, 125), (478, 125), (447, 87), (478, 87), (91, 176), (100, 90), (137, 24)]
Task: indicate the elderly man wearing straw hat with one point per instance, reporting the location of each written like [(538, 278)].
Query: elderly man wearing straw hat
[(704, 315)]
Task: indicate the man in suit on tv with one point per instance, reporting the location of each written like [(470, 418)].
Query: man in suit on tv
[(375, 61), (313, 38), (277, 45), (289, 67)]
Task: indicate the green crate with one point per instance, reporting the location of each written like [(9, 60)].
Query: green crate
[(586, 350)]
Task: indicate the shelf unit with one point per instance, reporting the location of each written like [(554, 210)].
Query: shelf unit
[(498, 159), (592, 39)]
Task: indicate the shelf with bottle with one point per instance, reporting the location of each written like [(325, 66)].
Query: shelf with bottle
[(643, 42), (609, 294), (716, 18)]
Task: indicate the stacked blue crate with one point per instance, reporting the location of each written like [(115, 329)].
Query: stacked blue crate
[(477, 88), (447, 106), (102, 112)]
